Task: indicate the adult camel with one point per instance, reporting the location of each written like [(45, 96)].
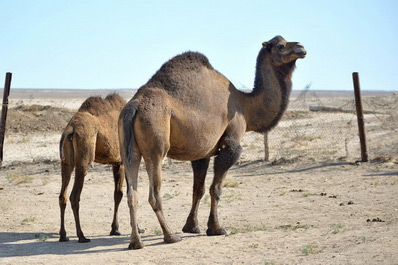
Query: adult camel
[(189, 111)]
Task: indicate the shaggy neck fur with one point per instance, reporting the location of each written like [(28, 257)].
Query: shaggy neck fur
[(270, 96)]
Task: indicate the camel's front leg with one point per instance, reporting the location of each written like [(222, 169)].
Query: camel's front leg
[(226, 158), (199, 175), (154, 170)]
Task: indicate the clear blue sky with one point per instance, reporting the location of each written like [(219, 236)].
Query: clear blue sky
[(121, 44)]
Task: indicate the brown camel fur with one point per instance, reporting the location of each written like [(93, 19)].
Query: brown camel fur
[(91, 136), (189, 111)]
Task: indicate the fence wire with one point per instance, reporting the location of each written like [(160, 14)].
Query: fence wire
[(325, 128)]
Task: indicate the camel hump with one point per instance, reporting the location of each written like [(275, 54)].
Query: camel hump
[(183, 62), (169, 75), (98, 106), (116, 101), (189, 59)]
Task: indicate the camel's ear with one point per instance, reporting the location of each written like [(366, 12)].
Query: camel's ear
[(267, 45)]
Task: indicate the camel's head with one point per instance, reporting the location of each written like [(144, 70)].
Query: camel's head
[(282, 52)]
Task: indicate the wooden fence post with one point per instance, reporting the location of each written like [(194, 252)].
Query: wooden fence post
[(4, 110), (361, 126)]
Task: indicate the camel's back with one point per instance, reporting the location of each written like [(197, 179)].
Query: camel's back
[(101, 113), (98, 106)]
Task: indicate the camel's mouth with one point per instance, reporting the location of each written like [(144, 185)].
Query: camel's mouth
[(299, 51)]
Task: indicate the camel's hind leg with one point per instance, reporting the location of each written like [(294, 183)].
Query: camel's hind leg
[(132, 199), (199, 175), (80, 173), (154, 170), (66, 171), (118, 175), (227, 157), (83, 159)]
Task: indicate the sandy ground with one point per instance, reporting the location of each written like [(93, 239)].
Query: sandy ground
[(304, 211)]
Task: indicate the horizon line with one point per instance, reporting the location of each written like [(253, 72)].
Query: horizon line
[(373, 90)]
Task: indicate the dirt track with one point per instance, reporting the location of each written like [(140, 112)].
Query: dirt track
[(306, 212)]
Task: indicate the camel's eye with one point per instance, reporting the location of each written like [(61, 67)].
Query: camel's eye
[(280, 47)]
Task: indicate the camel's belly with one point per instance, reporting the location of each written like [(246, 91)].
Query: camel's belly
[(194, 151), (193, 138)]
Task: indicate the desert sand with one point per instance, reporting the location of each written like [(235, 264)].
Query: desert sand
[(298, 211)]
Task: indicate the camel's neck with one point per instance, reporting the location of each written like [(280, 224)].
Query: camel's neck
[(268, 101)]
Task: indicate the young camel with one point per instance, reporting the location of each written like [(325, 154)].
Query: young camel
[(189, 111), (91, 136)]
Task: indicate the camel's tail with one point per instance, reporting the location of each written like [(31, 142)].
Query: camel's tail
[(126, 133), (66, 145)]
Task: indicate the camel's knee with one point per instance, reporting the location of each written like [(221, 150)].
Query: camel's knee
[(132, 199), (155, 202), (216, 191), (62, 200), (227, 156)]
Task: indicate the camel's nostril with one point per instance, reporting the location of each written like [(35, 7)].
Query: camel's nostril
[(300, 51)]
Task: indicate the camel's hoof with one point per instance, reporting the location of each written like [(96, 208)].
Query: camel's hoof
[(136, 245), (141, 231), (63, 239), (172, 239), (115, 233), (215, 232), (191, 229), (84, 240)]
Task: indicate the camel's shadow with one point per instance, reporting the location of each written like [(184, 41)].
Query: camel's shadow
[(34, 244), (257, 167)]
